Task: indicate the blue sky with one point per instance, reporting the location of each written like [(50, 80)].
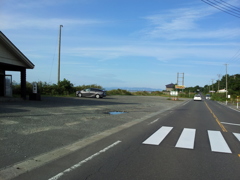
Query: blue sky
[(124, 43)]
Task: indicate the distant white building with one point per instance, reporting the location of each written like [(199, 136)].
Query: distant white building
[(222, 91)]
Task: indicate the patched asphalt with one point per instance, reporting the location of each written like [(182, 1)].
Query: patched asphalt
[(32, 128)]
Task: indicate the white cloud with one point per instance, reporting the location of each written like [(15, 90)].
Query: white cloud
[(15, 21), (162, 52), (30, 4), (183, 24)]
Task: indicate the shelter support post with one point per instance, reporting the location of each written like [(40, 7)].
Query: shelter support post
[(23, 84)]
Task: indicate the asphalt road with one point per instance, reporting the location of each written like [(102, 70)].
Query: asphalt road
[(34, 133), (194, 140)]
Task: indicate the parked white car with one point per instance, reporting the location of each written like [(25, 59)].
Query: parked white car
[(197, 97)]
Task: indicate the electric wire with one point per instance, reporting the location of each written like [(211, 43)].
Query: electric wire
[(230, 5), (231, 10), (227, 5), (235, 57), (223, 7)]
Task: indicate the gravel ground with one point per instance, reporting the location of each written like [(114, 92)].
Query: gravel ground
[(30, 128)]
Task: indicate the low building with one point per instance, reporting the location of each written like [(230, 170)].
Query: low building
[(170, 87), (12, 59), (222, 91)]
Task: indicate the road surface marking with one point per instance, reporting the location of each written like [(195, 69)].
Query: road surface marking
[(158, 136), (153, 121), (186, 139), (185, 103), (230, 123), (224, 104), (237, 135), (217, 142), (219, 123), (82, 162)]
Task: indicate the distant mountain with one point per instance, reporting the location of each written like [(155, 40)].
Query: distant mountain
[(131, 89)]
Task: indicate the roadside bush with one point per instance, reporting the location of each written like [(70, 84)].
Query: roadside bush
[(218, 97), (141, 93), (78, 88), (156, 93), (222, 97), (16, 88), (118, 92)]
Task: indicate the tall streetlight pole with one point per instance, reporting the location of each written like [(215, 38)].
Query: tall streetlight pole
[(59, 52)]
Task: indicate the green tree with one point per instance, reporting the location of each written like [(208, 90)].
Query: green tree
[(65, 87)]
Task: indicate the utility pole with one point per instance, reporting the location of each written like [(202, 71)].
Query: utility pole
[(212, 85), (59, 52), (226, 84), (219, 75)]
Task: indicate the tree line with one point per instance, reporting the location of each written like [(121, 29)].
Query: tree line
[(233, 88), (64, 87)]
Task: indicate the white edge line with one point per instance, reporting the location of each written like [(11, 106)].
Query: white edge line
[(153, 121), (185, 103), (84, 161), (237, 110), (13, 170)]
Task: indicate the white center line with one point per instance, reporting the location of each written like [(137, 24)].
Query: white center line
[(82, 162), (186, 139), (158, 136), (217, 142), (230, 123)]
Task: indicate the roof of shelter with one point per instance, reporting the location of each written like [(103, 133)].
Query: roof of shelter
[(17, 58), (170, 85)]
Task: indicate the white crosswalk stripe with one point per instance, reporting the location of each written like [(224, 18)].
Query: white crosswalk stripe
[(237, 135), (187, 139), (158, 136), (217, 142)]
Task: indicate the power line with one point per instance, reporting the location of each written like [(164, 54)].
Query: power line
[(224, 7), (229, 9), (223, 3), (230, 5), (235, 57)]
